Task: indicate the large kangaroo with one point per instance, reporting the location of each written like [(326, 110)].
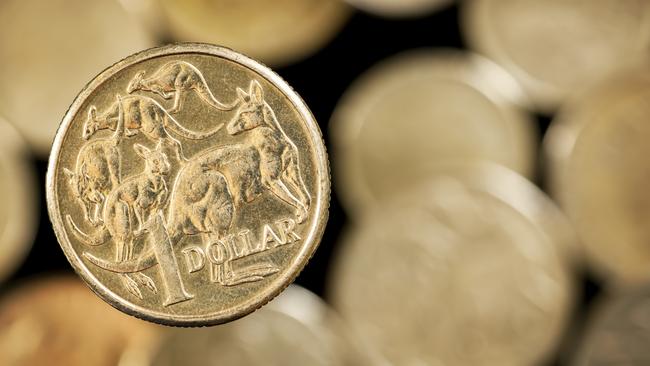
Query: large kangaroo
[(279, 166), (144, 114), (176, 79), (97, 171), (126, 210)]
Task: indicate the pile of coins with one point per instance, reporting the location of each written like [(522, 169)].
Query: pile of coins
[(488, 198)]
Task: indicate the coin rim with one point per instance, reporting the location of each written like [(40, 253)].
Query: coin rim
[(262, 297)]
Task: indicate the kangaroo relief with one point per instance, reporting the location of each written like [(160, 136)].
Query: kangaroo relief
[(97, 171), (127, 208), (176, 79), (279, 165), (188, 221), (146, 115)]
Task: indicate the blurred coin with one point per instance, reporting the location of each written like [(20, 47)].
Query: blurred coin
[(557, 47), (19, 199), (597, 150), (451, 274), (619, 331), (406, 115), (294, 329), (59, 322), (399, 8), (276, 32), (49, 50)]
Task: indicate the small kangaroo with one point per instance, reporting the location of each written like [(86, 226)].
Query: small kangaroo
[(176, 79), (128, 207), (143, 114), (97, 171), (279, 166)]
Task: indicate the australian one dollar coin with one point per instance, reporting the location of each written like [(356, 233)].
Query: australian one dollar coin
[(188, 185)]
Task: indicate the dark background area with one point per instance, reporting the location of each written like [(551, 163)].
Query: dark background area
[(321, 79)]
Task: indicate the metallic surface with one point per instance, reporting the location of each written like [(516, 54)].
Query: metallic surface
[(49, 50), (457, 272), (558, 47), (276, 32), (198, 212), (619, 331), (400, 8), (18, 198), (294, 329), (408, 114), (58, 322), (597, 149)]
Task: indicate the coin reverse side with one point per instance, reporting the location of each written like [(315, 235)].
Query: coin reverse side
[(188, 185)]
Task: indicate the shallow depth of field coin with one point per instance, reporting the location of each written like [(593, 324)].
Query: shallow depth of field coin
[(451, 274), (188, 185), (59, 322), (618, 332), (408, 114), (597, 152), (276, 32), (400, 8), (557, 47), (19, 197), (296, 328), (49, 50)]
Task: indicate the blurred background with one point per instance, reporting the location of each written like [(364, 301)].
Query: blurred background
[(489, 162)]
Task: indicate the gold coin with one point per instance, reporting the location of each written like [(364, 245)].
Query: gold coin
[(557, 47), (400, 8), (294, 329), (408, 114), (277, 32), (19, 197), (188, 185), (454, 274), (619, 331), (49, 50), (58, 322), (597, 150)]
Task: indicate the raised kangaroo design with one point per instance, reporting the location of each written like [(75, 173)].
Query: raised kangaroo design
[(128, 207), (143, 114), (206, 194), (97, 171), (176, 79), (279, 165)]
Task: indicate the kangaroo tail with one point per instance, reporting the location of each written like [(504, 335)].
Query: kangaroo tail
[(148, 260), (177, 128), (98, 238), (205, 93)]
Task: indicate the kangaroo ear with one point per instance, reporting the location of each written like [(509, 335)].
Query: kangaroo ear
[(256, 92), (243, 96), (69, 174), (141, 150)]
